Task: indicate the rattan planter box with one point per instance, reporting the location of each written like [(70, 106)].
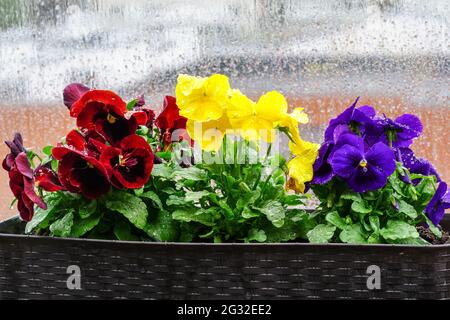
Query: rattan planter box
[(36, 268)]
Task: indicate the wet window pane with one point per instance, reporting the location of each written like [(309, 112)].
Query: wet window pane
[(394, 54)]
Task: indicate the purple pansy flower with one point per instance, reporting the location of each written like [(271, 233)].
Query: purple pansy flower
[(435, 209), (361, 117), (402, 130), (362, 169), (416, 165), (323, 172), (322, 169)]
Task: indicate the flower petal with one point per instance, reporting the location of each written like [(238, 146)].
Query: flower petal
[(73, 92), (345, 160)]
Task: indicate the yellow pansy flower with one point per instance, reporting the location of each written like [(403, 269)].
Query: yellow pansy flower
[(202, 99), (290, 122), (209, 135), (301, 167), (256, 121)]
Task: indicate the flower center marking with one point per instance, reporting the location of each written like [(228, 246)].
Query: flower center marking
[(90, 165), (111, 119), (363, 165)]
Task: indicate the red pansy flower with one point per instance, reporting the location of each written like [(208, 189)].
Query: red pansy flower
[(79, 170), (169, 118), (131, 165), (21, 179), (170, 122), (104, 112), (47, 179), (73, 92)]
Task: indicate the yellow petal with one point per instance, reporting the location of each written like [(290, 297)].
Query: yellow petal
[(208, 135), (202, 109), (239, 106), (299, 115), (202, 99), (272, 106)]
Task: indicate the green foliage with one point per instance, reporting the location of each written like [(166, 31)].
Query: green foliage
[(388, 215), (205, 202)]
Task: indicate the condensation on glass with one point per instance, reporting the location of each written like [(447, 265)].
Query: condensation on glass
[(321, 54)]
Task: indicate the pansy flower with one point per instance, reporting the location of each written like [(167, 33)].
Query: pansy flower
[(416, 165), (359, 120), (129, 165), (104, 112), (47, 179), (79, 171), (73, 92), (435, 209), (202, 99), (21, 180), (401, 131), (362, 168), (300, 168), (171, 124)]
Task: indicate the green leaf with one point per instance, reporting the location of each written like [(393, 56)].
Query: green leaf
[(82, 226), (256, 235), (322, 233), (122, 231), (133, 208), (352, 234), (275, 212), (206, 217), (397, 230), (434, 229), (374, 223), (195, 196), (166, 155), (162, 227), (293, 200), (162, 170), (154, 198), (248, 213), (39, 216), (47, 150), (413, 241), (191, 173), (175, 200), (361, 207), (335, 219), (374, 238), (351, 196), (131, 104), (88, 209), (63, 226), (407, 209)]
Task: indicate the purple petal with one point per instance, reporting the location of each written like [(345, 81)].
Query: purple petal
[(31, 194), (362, 181), (140, 101), (369, 111), (350, 139), (73, 92), (381, 158), (322, 169), (23, 165), (411, 127), (345, 160), (435, 209)]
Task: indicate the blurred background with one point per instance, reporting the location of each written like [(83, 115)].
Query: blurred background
[(322, 54)]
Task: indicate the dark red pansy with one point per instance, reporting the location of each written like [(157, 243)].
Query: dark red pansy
[(104, 112), (21, 183), (129, 165), (73, 92), (150, 116), (47, 179), (79, 171), (16, 147), (169, 118)]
